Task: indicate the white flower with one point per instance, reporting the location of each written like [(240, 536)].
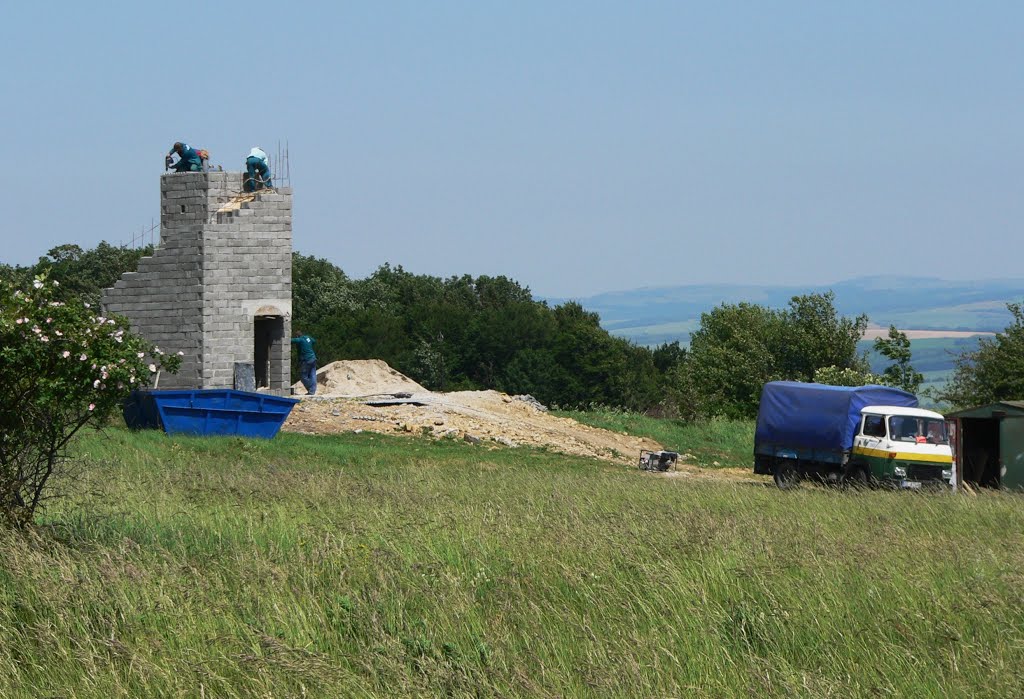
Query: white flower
[(152, 368), (37, 284), (92, 406), (88, 305), (141, 355), (56, 283), (132, 379), (19, 321), (96, 383), (65, 354), (58, 333), (118, 338), (110, 322), (82, 358), (44, 338), (180, 353)]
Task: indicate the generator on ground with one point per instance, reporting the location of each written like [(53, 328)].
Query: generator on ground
[(658, 460)]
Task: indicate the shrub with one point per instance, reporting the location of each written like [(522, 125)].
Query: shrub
[(62, 366)]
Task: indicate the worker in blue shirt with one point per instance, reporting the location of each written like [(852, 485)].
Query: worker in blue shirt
[(188, 158), (257, 163), (307, 361)]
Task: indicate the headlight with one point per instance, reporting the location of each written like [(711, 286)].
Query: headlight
[(899, 472), (947, 474)]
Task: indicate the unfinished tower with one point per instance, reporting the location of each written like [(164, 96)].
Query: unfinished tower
[(219, 286)]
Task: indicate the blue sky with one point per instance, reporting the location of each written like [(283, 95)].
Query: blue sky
[(577, 147)]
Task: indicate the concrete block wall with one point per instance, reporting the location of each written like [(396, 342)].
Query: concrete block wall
[(211, 277), (247, 267)]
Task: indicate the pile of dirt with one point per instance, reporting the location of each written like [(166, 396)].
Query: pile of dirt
[(363, 377), (370, 396)]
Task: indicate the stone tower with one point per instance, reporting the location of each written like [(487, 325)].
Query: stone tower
[(219, 286)]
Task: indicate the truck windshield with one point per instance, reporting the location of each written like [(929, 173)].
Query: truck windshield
[(908, 428)]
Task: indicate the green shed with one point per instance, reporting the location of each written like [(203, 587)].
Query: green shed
[(988, 444)]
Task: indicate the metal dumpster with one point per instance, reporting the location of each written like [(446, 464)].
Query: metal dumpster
[(208, 412)]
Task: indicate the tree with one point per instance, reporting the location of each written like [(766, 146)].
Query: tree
[(740, 347), (994, 372), (834, 376), (899, 374), (62, 367), (814, 335), (85, 273)]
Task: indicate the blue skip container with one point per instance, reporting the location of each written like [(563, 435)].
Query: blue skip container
[(212, 411)]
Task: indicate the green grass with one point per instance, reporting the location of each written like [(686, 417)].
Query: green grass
[(360, 566), (714, 443)]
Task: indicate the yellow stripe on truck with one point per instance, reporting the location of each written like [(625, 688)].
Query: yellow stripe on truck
[(904, 455)]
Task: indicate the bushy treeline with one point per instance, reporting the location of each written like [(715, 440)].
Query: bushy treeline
[(485, 332), (466, 332)]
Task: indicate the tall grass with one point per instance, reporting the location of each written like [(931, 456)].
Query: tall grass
[(717, 442), (366, 566)]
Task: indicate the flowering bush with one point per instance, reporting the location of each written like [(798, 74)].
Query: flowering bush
[(63, 365)]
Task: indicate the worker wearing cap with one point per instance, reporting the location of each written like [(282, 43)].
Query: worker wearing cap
[(307, 361), (257, 163), (188, 158)]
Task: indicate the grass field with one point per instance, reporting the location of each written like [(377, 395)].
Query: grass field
[(359, 566)]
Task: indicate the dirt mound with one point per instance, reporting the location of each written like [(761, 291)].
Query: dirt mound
[(486, 417), (360, 377)]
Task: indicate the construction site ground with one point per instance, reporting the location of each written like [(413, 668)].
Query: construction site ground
[(370, 396)]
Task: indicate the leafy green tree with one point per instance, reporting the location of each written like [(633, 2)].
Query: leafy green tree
[(62, 367), (85, 273), (732, 355), (740, 347), (668, 356), (834, 376), (899, 374), (814, 335), (994, 372)]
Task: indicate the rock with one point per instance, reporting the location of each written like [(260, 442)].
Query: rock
[(336, 412), (530, 400), (471, 439), (438, 422)]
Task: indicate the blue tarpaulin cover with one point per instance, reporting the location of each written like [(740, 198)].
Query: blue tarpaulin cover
[(816, 416)]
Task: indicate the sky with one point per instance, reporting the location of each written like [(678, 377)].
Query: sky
[(576, 147)]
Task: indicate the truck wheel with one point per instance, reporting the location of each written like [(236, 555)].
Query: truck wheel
[(786, 475), (857, 478)]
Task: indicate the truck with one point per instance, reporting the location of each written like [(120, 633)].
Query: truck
[(842, 435)]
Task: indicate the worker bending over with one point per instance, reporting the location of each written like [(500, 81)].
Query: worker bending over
[(188, 158), (257, 163)]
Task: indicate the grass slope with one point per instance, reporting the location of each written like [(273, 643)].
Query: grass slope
[(364, 566)]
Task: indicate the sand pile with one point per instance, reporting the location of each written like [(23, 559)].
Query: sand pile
[(360, 377), (485, 417)]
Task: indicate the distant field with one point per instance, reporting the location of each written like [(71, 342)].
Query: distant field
[(368, 566), (874, 332)]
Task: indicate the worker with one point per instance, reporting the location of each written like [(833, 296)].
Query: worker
[(307, 361), (188, 158), (257, 163)]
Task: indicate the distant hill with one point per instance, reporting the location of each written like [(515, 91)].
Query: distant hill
[(653, 315)]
